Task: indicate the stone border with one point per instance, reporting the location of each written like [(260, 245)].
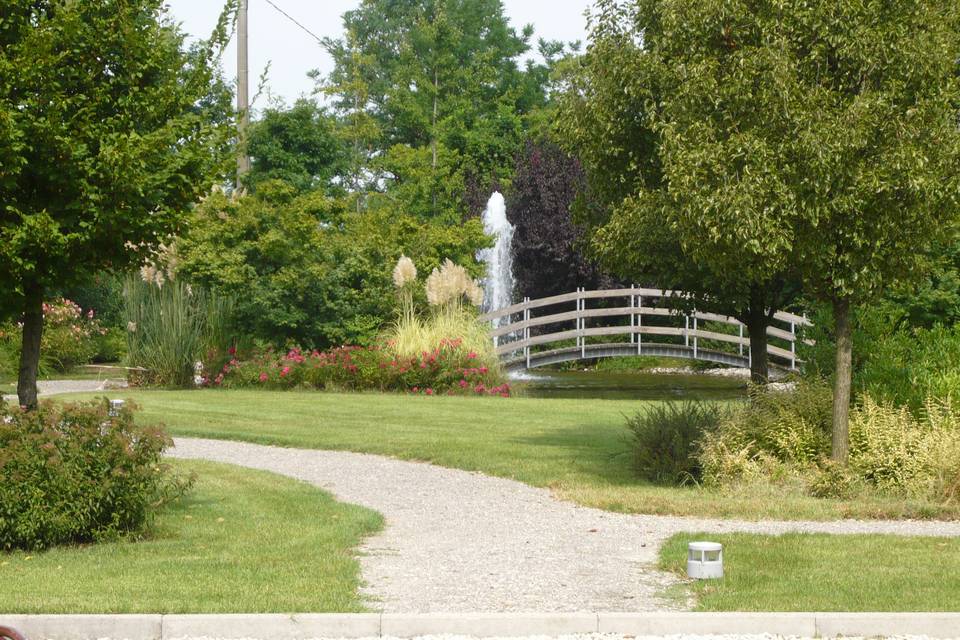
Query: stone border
[(372, 625)]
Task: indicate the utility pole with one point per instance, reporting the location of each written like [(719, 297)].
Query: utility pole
[(243, 92)]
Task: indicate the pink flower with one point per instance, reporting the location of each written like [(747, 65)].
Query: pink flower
[(483, 369), (416, 389), (463, 384), (90, 314), (429, 392), (218, 379), (284, 372), (264, 377), (472, 355)]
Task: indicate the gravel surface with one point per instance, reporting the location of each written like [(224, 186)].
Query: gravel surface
[(457, 541), (611, 636), (52, 387)]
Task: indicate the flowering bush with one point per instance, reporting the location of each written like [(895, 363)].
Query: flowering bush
[(75, 473), (70, 337), (448, 369)]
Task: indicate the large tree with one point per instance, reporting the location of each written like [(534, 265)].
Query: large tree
[(611, 117), (816, 136), (441, 75), (109, 129)]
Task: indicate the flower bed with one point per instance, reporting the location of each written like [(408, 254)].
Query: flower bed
[(449, 369)]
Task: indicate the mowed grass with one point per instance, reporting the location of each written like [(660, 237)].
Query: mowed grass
[(816, 572), (577, 448), (240, 541)]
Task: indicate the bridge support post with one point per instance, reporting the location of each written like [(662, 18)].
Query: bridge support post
[(793, 346), (694, 334), (581, 307), (526, 332), (640, 326)]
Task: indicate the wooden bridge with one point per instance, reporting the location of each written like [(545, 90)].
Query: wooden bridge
[(536, 333)]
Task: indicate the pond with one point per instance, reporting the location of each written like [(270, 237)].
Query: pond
[(638, 385)]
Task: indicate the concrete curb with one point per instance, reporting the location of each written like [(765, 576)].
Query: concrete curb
[(372, 625)]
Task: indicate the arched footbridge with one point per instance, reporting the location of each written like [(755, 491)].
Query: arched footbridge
[(630, 322)]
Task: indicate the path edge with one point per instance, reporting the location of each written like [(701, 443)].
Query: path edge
[(371, 625)]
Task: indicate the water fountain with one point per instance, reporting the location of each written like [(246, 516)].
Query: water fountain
[(498, 283)]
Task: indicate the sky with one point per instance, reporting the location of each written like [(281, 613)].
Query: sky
[(292, 53)]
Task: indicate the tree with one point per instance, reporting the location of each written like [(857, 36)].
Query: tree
[(548, 256), (641, 209), (298, 145), (822, 135), (436, 74), (305, 269), (109, 129)]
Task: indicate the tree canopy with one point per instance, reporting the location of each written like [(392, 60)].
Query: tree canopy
[(110, 127), (767, 137)]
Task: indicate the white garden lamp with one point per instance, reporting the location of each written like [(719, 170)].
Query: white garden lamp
[(705, 560)]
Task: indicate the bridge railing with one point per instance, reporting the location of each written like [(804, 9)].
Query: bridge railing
[(648, 315)]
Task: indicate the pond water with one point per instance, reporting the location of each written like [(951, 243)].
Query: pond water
[(639, 385)]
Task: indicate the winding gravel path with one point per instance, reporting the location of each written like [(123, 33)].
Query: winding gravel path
[(461, 541), (53, 387)]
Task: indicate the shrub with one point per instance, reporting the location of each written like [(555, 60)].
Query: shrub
[(790, 426), (664, 440), (900, 453), (448, 369), (69, 339), (171, 327), (73, 473)]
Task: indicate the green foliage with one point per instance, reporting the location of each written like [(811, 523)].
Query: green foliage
[(895, 362), (304, 270), (426, 190), (72, 473), (104, 118), (111, 346), (171, 328), (897, 452), (664, 439), (102, 293), (298, 145), (775, 427)]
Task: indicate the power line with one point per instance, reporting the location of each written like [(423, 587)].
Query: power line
[(294, 21)]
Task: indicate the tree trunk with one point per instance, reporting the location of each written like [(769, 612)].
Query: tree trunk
[(842, 378), (757, 328), (30, 348)]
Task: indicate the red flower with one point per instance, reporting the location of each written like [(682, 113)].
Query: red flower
[(232, 351), (429, 392), (472, 355), (483, 369), (264, 377), (284, 372)]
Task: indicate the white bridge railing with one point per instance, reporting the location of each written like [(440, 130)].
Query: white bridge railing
[(653, 324)]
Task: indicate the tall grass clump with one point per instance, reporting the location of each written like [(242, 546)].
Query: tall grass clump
[(453, 298), (171, 326), (665, 437)]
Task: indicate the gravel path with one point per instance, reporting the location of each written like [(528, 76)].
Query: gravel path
[(53, 387), (457, 541)]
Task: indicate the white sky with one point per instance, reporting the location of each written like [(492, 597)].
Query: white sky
[(292, 53)]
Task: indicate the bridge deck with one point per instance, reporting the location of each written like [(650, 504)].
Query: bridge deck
[(620, 349)]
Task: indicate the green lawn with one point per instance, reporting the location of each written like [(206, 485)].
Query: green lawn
[(806, 572), (578, 448), (240, 541)]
